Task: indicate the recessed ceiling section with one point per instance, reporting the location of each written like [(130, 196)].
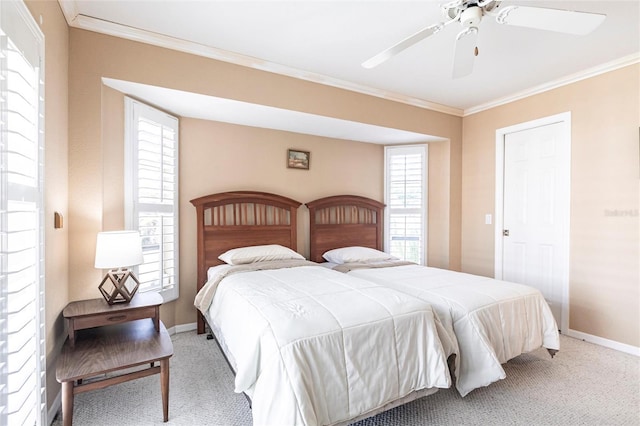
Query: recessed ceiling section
[(204, 107)]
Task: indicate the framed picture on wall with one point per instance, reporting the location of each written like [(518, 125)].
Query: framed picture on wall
[(298, 159)]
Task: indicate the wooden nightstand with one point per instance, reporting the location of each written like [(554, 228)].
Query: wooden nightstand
[(105, 338)]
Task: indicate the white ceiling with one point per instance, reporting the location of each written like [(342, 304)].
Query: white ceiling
[(326, 41)]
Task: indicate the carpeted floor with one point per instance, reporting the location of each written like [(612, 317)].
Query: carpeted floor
[(584, 384)]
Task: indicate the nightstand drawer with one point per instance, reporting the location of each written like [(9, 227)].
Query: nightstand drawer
[(118, 317), (97, 313)]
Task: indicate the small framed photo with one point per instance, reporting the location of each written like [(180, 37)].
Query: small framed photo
[(298, 159)]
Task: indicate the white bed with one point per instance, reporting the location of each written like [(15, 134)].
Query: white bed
[(491, 320), (309, 346), (330, 346)]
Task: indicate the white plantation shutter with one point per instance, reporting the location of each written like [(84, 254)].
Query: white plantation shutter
[(22, 328), (151, 192), (406, 200)]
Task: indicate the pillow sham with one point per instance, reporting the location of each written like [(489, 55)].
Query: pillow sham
[(356, 254), (251, 254)]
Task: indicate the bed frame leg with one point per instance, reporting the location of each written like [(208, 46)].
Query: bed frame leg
[(451, 363), (552, 352), (207, 329)]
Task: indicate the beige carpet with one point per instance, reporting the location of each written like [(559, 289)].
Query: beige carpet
[(584, 384)]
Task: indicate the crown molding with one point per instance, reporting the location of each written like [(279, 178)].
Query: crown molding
[(110, 28), (69, 10), (573, 78)]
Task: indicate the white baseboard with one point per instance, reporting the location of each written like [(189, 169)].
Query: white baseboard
[(55, 407), (182, 328), (612, 344)]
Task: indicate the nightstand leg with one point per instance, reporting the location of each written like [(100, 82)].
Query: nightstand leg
[(164, 385), (67, 403)]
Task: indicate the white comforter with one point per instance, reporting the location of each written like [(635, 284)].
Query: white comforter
[(493, 320), (313, 346)]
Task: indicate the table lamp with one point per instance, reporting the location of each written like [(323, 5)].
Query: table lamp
[(116, 251)]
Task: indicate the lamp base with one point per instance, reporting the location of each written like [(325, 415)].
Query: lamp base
[(115, 288)]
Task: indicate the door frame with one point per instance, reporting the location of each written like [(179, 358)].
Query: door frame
[(565, 119)]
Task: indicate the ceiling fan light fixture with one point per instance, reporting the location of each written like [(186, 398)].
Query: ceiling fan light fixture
[(471, 16)]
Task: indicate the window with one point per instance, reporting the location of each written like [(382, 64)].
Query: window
[(22, 328), (406, 200), (151, 194)]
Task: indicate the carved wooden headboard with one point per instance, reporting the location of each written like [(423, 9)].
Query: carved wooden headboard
[(344, 220), (241, 218)]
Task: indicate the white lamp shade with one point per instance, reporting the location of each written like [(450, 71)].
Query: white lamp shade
[(118, 249)]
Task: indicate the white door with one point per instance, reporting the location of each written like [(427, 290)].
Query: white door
[(535, 226)]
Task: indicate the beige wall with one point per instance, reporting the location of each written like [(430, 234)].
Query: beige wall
[(56, 35), (605, 232), (210, 151)]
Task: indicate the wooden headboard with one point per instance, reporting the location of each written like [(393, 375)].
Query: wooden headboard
[(237, 219), (344, 220)]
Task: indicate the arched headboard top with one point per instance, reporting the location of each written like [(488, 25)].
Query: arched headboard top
[(245, 197), (342, 221), (342, 200)]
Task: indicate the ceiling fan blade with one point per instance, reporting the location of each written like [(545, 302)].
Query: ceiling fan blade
[(465, 52), (402, 45), (562, 21)]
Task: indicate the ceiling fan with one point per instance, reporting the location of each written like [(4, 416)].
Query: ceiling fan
[(469, 13)]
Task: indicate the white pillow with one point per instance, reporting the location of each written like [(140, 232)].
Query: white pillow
[(242, 255), (356, 254)]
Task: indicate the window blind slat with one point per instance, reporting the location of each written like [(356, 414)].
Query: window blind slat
[(406, 200), (152, 203), (22, 330)]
